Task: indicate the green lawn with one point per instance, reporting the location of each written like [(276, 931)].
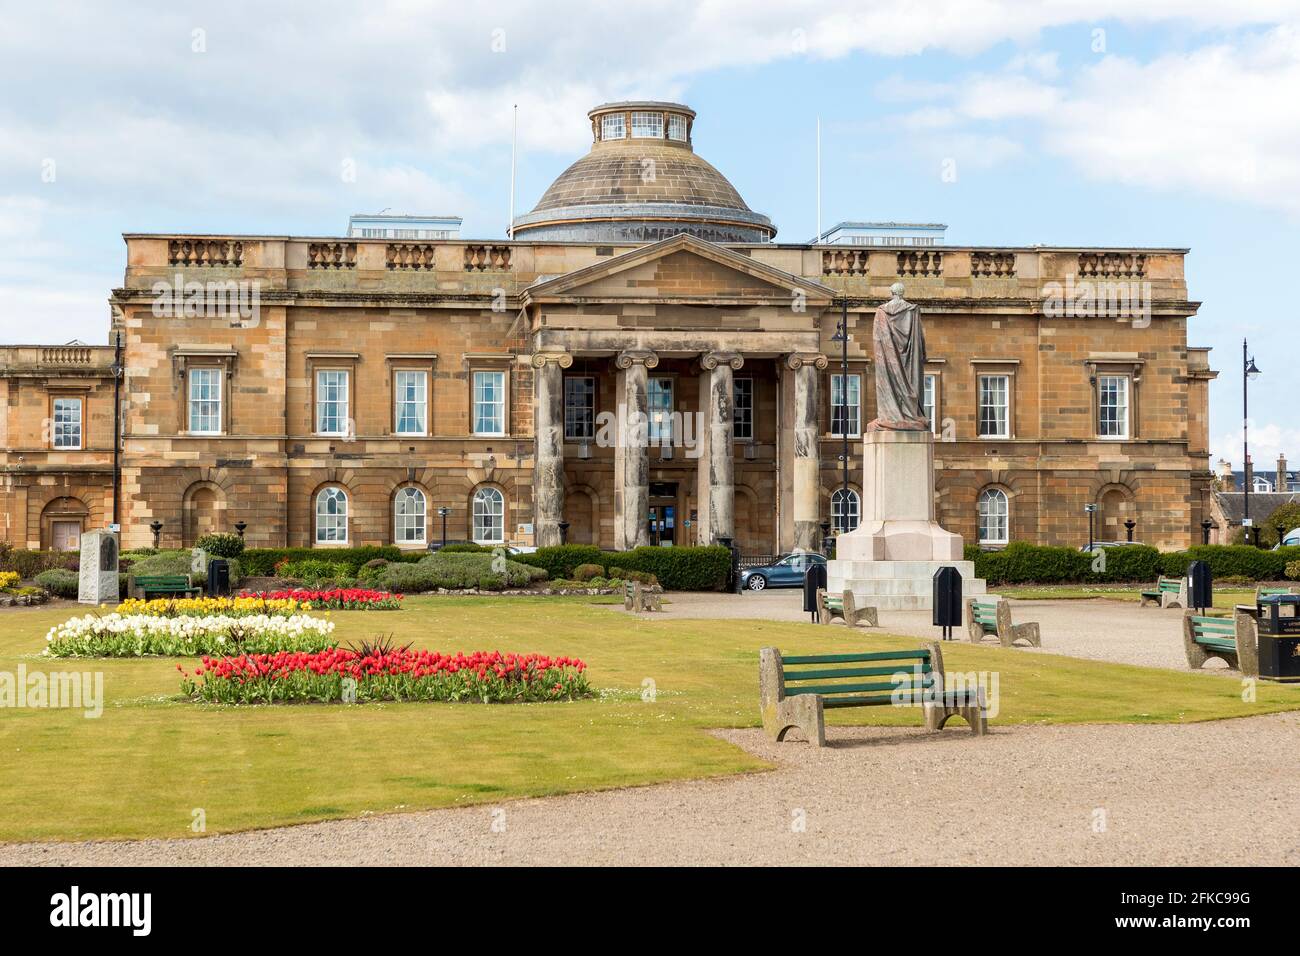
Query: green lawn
[(141, 768), (1113, 592)]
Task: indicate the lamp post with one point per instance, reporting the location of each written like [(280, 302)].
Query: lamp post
[(156, 527), (1206, 525), (240, 528), (1129, 525), (1281, 533), (1249, 370), (1091, 509), (442, 513), (564, 532)]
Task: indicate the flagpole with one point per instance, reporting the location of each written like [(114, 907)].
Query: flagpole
[(819, 180), (514, 151)]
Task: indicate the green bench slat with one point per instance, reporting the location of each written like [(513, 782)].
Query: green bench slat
[(918, 655), (1219, 642), (1215, 623), (847, 688), (1170, 586), (1151, 594), (787, 676), (857, 701)]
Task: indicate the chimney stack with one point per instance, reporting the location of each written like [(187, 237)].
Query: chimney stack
[(1281, 473), (1226, 482)]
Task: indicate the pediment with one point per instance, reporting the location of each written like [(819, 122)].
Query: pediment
[(682, 268)]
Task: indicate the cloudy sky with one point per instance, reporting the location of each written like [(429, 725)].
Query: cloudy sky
[(1071, 123)]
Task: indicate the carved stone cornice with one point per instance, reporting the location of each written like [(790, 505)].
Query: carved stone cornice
[(797, 360), (630, 357), (711, 360), (542, 359)]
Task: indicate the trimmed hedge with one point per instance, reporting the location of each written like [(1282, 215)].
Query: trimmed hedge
[(676, 569), (261, 562), (28, 564), (1232, 560), (454, 571), (1023, 563)]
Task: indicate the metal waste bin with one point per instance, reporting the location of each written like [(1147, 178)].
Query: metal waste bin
[(218, 577), (814, 579)]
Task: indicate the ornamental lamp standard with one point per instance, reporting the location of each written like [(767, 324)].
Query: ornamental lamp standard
[(1129, 525), (1091, 509), (1249, 370), (564, 532), (442, 513), (240, 528), (1206, 525), (156, 527)]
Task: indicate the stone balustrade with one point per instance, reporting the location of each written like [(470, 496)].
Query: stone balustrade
[(332, 255), (200, 252)]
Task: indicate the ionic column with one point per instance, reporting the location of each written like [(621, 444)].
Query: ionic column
[(807, 457), (633, 468), (719, 495), (548, 437)]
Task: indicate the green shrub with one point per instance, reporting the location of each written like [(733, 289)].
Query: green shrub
[(562, 560), (680, 569), (316, 573), (621, 574), (28, 564), (178, 562), (464, 547), (59, 582), (456, 571), (1293, 570), (261, 562), (585, 572), (1232, 560), (221, 545), (1133, 562)]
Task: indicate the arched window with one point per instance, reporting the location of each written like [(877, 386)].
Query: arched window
[(331, 516), (845, 510), (994, 511), (489, 516), (408, 516)]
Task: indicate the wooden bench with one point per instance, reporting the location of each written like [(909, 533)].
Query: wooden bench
[(1270, 592), (844, 606), (638, 597), (170, 584), (994, 617), (1234, 640), (795, 691), (1168, 592)]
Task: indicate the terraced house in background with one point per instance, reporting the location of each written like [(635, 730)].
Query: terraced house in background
[(347, 388)]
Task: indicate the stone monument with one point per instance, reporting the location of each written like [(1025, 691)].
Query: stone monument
[(888, 561), (97, 579)]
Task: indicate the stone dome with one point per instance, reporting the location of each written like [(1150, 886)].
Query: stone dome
[(642, 182)]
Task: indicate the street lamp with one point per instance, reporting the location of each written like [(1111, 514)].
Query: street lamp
[(1249, 370), (1091, 509), (1129, 525), (1206, 525), (564, 532), (442, 513), (240, 528), (156, 527)]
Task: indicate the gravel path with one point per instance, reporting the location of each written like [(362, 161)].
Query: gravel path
[(1073, 795), (1096, 628)]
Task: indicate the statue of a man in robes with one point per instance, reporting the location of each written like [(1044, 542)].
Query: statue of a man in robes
[(899, 349)]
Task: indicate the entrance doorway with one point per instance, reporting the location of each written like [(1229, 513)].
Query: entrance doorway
[(663, 513), (65, 535)]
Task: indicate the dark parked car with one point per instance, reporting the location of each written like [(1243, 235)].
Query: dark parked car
[(786, 571)]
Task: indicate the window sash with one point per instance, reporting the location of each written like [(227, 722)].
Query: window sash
[(659, 409), (489, 516), (846, 510), (611, 127), (331, 516), (928, 401), (409, 511), (1112, 406), (331, 401), (846, 419), (994, 515), (410, 391), (647, 125), (489, 403), (205, 401), (994, 405), (742, 409), (677, 127), (67, 423), (579, 408)]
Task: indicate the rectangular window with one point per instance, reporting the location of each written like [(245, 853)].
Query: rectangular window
[(659, 409), (994, 407), (677, 127), (205, 401), (1112, 406), (579, 408), (846, 406), (411, 395), (611, 126), (331, 401), (742, 417), (647, 125), (67, 423), (489, 403), (928, 401)]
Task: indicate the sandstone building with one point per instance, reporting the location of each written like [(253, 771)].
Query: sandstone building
[(328, 390)]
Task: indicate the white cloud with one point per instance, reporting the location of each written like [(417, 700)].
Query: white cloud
[(1267, 441)]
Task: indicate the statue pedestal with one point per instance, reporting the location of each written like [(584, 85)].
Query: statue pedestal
[(888, 561), (97, 579)]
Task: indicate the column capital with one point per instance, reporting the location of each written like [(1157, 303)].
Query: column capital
[(542, 359), (711, 360), (629, 357), (797, 360)]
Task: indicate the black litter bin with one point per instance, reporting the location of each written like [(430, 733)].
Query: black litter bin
[(218, 577), (946, 600), (1200, 585), (814, 579), (1279, 636)]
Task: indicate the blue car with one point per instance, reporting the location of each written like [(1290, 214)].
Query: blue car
[(786, 571)]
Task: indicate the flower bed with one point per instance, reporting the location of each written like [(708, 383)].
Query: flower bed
[(242, 606), (398, 674), (139, 635), (338, 599)]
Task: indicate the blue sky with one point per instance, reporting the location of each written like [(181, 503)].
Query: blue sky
[(1067, 123)]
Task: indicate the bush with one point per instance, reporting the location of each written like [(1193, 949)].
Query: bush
[(59, 582), (1293, 570), (464, 547), (456, 571), (28, 564), (680, 569), (620, 574), (261, 562), (178, 562), (585, 572), (222, 545), (1232, 560), (562, 560), (316, 573)]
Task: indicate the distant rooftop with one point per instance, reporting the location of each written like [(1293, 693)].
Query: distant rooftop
[(884, 234), (403, 226)]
